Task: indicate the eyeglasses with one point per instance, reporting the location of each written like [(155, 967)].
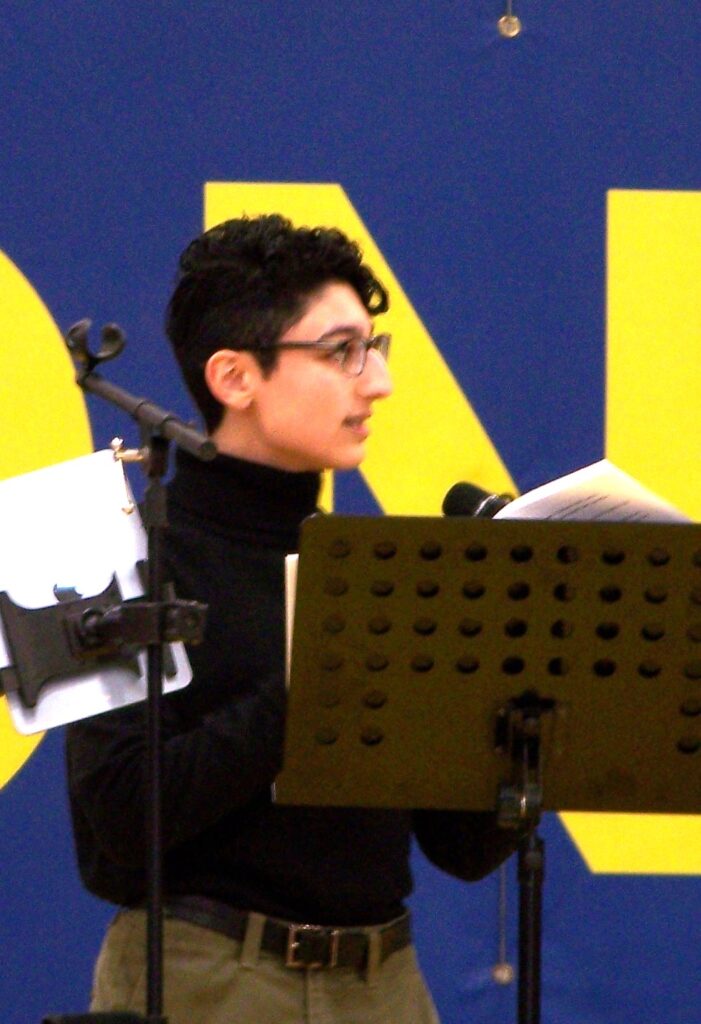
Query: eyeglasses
[(351, 354)]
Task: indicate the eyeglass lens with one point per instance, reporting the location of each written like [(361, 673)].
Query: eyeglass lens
[(355, 352)]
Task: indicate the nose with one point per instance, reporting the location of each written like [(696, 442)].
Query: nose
[(375, 381)]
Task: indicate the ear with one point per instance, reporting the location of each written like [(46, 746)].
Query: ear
[(232, 377)]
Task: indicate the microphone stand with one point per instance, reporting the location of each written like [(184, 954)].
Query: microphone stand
[(158, 428)]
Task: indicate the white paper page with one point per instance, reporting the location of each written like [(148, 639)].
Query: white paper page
[(597, 492), (68, 526), (291, 564)]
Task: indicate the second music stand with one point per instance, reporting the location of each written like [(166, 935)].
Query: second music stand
[(508, 665)]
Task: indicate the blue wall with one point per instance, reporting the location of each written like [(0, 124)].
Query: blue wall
[(481, 166)]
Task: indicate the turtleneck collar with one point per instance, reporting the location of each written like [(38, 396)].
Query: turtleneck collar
[(246, 499)]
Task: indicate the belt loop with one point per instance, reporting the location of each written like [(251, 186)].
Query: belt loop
[(374, 961), (252, 939)]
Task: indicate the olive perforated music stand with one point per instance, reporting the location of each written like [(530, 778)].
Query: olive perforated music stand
[(508, 665)]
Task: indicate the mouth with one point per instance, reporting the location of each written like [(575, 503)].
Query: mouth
[(358, 425)]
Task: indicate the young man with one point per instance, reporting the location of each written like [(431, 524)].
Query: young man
[(274, 915)]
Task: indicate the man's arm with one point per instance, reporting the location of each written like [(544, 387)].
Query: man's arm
[(213, 764), (222, 734)]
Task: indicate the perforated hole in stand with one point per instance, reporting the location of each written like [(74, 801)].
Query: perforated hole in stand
[(475, 552), (558, 667), (608, 630), (690, 708), (473, 590), (381, 588), (564, 592), (430, 551), (470, 627), (518, 591), (427, 588), (689, 745), (521, 553), (513, 666), (334, 624), (375, 699), (562, 629), (652, 631), (516, 628), (610, 593), (692, 670), (655, 595), (384, 549), (649, 669), (326, 736), (371, 736), (336, 586), (467, 664), (612, 556), (658, 557), (422, 663), (376, 662), (604, 667), (425, 626), (567, 554)]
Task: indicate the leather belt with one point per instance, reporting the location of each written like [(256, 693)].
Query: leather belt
[(298, 945)]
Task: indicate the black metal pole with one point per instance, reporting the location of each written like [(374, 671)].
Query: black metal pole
[(156, 521), (531, 863), (518, 733)]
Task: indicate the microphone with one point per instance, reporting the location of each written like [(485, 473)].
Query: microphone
[(470, 500)]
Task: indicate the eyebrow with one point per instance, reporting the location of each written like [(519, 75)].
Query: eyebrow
[(346, 329)]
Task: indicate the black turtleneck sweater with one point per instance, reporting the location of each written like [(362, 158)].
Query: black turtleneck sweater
[(230, 525)]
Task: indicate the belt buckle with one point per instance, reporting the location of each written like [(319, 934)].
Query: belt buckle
[(294, 932)]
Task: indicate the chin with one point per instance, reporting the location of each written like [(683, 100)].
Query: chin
[(347, 461)]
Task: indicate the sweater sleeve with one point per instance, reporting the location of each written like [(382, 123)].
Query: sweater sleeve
[(222, 734), (466, 844), (226, 759)]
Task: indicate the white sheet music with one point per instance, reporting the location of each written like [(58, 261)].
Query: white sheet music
[(601, 491)]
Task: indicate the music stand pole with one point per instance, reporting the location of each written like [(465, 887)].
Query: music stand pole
[(531, 860), (156, 522), (519, 804)]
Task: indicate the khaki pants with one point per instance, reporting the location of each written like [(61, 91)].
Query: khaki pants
[(211, 979)]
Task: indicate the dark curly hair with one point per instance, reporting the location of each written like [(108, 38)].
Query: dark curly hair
[(243, 283)]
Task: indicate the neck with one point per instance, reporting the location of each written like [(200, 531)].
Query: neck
[(239, 436), (235, 439)]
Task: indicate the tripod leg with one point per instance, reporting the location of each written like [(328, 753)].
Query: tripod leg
[(531, 858)]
